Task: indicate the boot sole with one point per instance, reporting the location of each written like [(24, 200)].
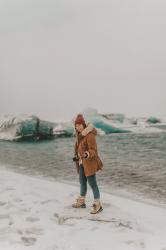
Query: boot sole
[(101, 209), (82, 206)]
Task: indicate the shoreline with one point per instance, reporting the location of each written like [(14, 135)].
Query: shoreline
[(121, 193)]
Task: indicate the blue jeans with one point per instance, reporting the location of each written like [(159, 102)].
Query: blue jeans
[(92, 182)]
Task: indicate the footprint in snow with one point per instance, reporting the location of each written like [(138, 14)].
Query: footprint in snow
[(28, 241), (32, 219)]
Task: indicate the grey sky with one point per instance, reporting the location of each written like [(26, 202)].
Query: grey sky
[(58, 57)]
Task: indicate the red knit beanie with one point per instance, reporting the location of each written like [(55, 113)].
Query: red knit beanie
[(80, 120)]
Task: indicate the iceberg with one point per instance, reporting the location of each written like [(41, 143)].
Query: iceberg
[(115, 117), (45, 130), (103, 126), (153, 120), (64, 129), (101, 122), (25, 127), (31, 127)]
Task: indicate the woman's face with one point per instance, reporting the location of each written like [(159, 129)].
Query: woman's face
[(79, 127)]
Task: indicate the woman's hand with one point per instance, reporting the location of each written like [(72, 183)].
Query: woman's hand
[(86, 155), (76, 158)]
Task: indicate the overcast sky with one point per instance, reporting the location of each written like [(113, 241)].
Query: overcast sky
[(58, 57)]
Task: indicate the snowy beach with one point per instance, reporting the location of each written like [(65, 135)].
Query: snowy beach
[(83, 82), (36, 214)]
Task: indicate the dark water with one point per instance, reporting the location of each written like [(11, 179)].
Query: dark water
[(132, 162)]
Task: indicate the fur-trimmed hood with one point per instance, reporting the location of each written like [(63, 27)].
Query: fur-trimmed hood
[(89, 129)]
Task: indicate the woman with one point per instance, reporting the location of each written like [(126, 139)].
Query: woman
[(87, 162)]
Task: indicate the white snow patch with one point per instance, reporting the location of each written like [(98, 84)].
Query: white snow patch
[(36, 214)]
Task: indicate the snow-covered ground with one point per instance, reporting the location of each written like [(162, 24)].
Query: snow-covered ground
[(37, 214)]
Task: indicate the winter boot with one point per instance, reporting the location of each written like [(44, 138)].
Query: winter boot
[(80, 202), (96, 207)]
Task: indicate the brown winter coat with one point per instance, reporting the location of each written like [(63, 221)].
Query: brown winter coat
[(88, 143)]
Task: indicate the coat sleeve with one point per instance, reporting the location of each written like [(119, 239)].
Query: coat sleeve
[(75, 148), (76, 153), (92, 146)]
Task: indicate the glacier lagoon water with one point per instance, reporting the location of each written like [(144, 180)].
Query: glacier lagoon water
[(132, 162)]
